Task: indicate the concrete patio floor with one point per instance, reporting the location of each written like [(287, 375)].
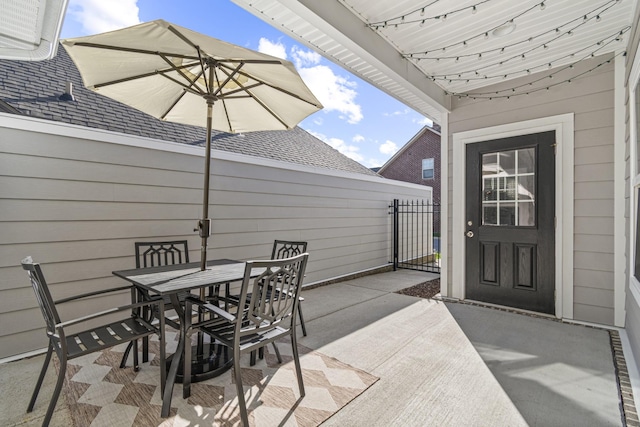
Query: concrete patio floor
[(439, 363)]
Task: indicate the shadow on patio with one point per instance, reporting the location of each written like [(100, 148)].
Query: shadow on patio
[(439, 363)]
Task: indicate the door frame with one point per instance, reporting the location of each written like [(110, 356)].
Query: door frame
[(563, 127)]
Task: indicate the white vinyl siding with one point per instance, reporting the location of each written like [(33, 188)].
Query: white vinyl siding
[(78, 203), (591, 99), (632, 137)]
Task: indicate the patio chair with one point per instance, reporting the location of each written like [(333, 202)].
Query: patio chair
[(260, 322), (286, 249), (155, 254), (72, 345)]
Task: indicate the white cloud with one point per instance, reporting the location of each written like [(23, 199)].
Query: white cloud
[(389, 148), (304, 58), (398, 113), (373, 163), (336, 93), (99, 16), (424, 121), (276, 49), (358, 138), (350, 151)]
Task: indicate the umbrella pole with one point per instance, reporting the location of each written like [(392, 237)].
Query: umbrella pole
[(205, 222)]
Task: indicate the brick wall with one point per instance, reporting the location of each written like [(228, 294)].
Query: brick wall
[(407, 166)]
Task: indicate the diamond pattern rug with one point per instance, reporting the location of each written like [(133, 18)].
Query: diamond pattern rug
[(99, 393)]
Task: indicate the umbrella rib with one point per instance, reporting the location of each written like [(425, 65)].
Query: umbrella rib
[(279, 89), (141, 76), (179, 70), (230, 76), (135, 50), (224, 104), (235, 71), (241, 89)]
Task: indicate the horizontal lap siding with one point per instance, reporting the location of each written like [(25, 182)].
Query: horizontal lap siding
[(632, 320), (591, 99), (77, 206)]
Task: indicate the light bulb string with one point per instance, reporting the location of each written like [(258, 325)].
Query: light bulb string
[(401, 19), (602, 43), (593, 14), (496, 94)]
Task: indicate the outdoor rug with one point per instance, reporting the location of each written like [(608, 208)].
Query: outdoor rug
[(99, 393)]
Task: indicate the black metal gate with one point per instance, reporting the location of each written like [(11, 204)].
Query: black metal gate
[(416, 235)]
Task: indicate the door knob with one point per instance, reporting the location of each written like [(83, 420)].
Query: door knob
[(469, 234)]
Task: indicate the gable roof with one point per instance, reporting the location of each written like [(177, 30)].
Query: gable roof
[(435, 130), (35, 89)]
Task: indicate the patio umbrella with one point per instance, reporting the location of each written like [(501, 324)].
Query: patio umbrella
[(179, 75)]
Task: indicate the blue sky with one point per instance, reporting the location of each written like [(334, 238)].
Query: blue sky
[(359, 120)]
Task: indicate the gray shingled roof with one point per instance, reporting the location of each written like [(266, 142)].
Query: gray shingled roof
[(34, 88)]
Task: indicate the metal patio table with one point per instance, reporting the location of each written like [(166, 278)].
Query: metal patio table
[(210, 359)]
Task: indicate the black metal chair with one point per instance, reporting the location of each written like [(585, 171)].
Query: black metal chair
[(73, 345), (261, 321), (286, 249), (154, 254)]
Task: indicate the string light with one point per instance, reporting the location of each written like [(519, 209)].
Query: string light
[(592, 15), (407, 18), (512, 91), (601, 43), (597, 46)]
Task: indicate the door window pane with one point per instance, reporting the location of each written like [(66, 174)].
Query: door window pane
[(507, 161), (490, 164), (508, 214), (508, 188), (490, 215), (490, 191), (526, 160)]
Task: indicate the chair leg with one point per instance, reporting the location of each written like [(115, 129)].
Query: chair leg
[(275, 347), (244, 415), (125, 356), (296, 360), (304, 328), (34, 396), (56, 391), (136, 364), (252, 358), (163, 355), (145, 349)]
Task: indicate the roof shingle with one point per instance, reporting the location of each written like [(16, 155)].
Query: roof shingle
[(34, 88)]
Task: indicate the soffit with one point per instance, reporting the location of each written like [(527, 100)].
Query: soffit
[(460, 54), (29, 29)]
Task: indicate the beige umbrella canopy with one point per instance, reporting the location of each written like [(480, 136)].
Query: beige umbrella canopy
[(179, 75)]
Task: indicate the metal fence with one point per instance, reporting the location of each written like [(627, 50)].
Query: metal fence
[(416, 235)]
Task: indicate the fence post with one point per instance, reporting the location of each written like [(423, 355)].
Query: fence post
[(395, 234)]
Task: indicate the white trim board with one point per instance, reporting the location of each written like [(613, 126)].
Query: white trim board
[(563, 127)]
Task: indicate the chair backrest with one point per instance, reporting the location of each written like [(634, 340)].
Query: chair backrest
[(155, 254), (43, 296), (287, 249), (266, 310)]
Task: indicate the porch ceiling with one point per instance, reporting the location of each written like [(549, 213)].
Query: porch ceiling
[(422, 52)]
